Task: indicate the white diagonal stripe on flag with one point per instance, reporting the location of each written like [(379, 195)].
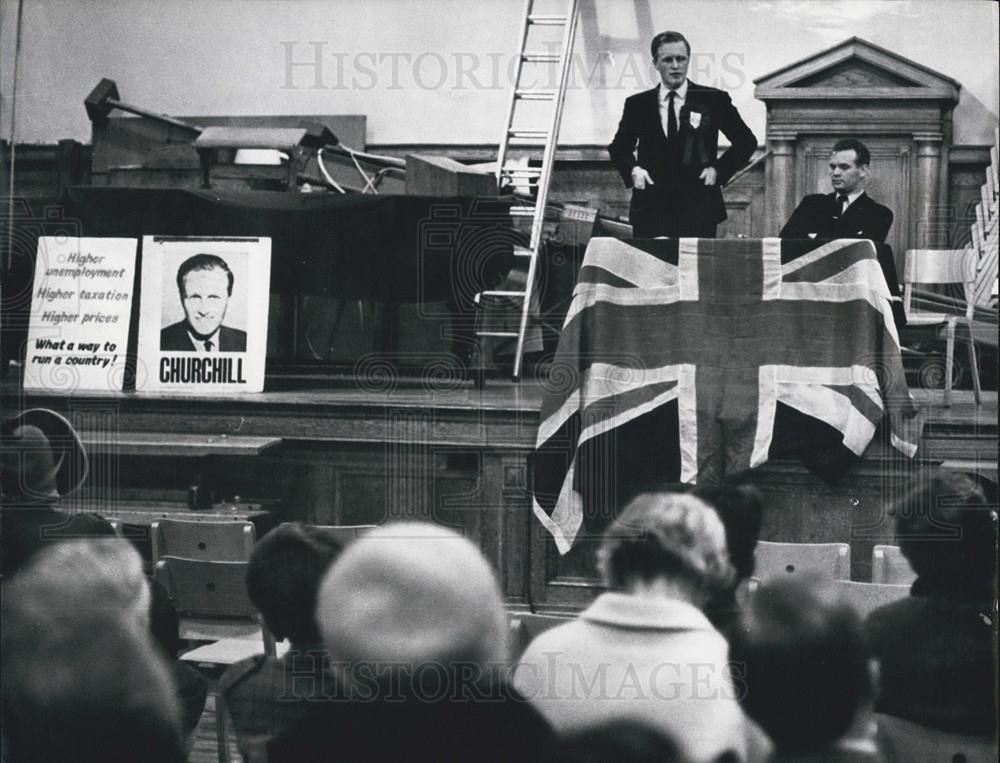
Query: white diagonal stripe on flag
[(607, 424), (587, 295), (565, 521), (865, 273), (862, 378), (629, 263), (837, 245), (830, 406), (599, 381)]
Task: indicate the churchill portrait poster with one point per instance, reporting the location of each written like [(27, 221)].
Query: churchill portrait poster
[(203, 314)]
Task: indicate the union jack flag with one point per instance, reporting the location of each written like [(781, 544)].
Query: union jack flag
[(694, 359)]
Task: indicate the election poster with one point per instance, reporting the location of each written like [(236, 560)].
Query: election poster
[(81, 303), (203, 314)]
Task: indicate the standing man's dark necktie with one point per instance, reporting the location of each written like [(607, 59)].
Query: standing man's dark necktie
[(842, 202), (671, 116), (208, 345)]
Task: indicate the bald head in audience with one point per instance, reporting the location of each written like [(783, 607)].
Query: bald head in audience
[(410, 593), (413, 621), (82, 682), (95, 573)]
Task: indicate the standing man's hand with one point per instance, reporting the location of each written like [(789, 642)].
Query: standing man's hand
[(640, 178), (708, 175)]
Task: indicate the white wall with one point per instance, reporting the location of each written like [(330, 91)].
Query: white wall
[(434, 71)]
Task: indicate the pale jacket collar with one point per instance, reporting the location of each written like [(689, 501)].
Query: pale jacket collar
[(625, 610)]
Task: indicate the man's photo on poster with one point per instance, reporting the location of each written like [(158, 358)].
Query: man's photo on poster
[(208, 293)]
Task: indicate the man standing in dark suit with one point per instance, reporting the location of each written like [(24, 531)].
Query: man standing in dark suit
[(677, 175), (205, 283), (847, 212)]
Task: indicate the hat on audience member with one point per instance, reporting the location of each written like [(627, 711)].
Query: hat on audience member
[(41, 457), (411, 593)]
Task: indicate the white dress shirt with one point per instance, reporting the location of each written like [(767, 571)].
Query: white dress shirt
[(852, 197), (679, 98)]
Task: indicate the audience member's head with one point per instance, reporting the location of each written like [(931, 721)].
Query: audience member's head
[(805, 663), (741, 509), (622, 741), (82, 684), (947, 531), (41, 458), (283, 578), (94, 573), (412, 593), (667, 537)]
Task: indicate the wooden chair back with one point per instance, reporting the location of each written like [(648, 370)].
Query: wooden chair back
[(890, 566), (209, 540), (831, 561), (211, 599)]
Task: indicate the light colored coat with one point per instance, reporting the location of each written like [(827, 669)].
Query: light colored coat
[(656, 660)]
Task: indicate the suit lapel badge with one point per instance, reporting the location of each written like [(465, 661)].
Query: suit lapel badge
[(695, 120)]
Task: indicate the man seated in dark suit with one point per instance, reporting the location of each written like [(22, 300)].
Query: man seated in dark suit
[(677, 175), (847, 212), (205, 283)]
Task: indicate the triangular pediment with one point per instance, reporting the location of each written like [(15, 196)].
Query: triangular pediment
[(857, 69)]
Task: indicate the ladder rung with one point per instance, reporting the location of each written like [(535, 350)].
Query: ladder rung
[(515, 171), (522, 211), (522, 251), (546, 19), (511, 334), (501, 293), (540, 58), (535, 94), (530, 134)]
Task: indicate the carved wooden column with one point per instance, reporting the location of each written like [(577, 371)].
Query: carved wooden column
[(779, 179), (930, 217)]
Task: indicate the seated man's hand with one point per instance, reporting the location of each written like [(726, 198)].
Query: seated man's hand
[(709, 175), (640, 178)]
